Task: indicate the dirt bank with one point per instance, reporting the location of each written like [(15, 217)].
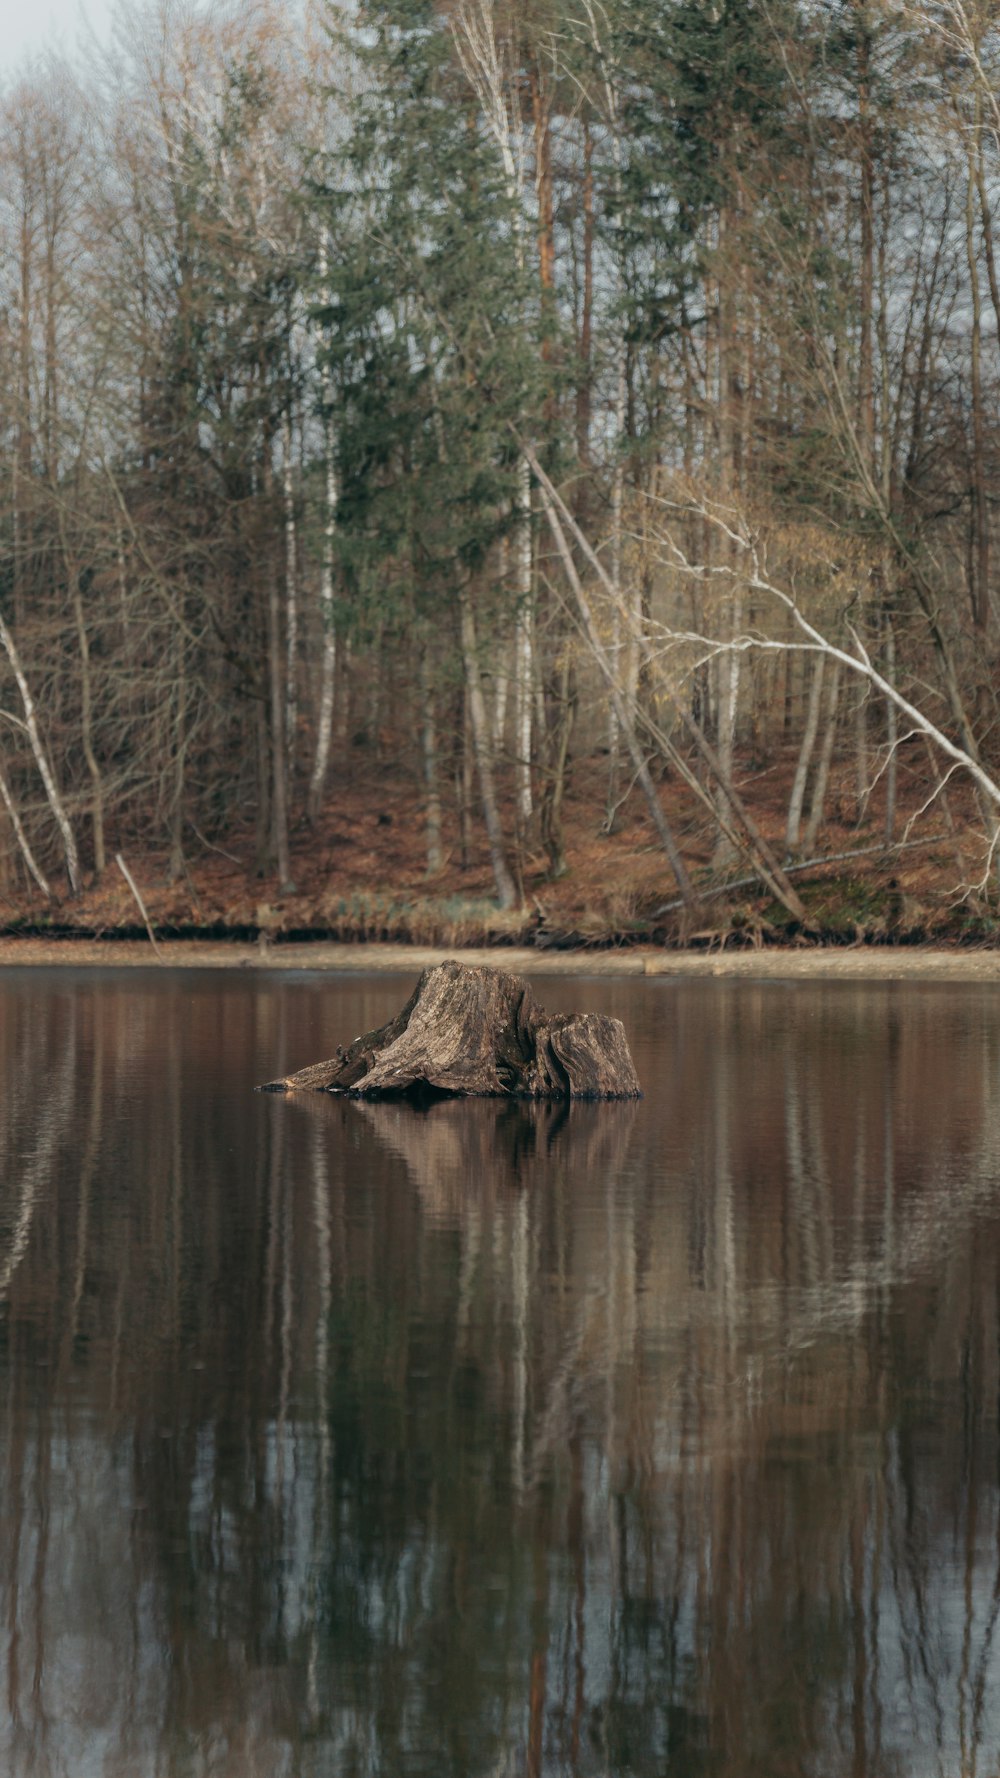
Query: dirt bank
[(361, 881)]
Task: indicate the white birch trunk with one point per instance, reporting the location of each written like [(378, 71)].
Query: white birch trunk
[(617, 506), (822, 777), (730, 695), (797, 799), (861, 774), (487, 66), (728, 668), (502, 677), (618, 490), (291, 596), (506, 892), (279, 764), (22, 838), (891, 735), (41, 760), (524, 644), (328, 662), (87, 728)]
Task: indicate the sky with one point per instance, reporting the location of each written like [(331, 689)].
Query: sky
[(31, 27)]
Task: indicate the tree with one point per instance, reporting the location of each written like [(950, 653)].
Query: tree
[(430, 355)]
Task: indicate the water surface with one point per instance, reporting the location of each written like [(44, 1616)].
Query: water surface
[(634, 1439)]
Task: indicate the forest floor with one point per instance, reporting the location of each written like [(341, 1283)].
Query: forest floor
[(360, 878)]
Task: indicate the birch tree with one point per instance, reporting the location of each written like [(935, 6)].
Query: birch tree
[(487, 55)]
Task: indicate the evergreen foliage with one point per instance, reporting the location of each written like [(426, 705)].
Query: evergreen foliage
[(427, 323)]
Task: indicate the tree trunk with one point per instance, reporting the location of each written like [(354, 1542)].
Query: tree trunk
[(72, 568), (585, 342), (986, 225), (797, 798), (42, 761), (506, 892), (178, 745), (980, 518), (291, 599), (617, 511), (262, 833), (728, 665), (862, 787), (523, 646), (557, 730), (23, 444), (428, 733), (502, 675), (891, 735), (866, 290), (618, 447), (542, 113), (328, 664), (822, 777), (22, 838), (478, 1032), (728, 705), (279, 762), (87, 726)]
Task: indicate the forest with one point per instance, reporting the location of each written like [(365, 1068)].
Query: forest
[(488, 469)]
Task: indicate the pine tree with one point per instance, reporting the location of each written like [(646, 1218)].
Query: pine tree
[(432, 355)]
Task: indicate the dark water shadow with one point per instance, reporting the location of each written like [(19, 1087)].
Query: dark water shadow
[(461, 1150)]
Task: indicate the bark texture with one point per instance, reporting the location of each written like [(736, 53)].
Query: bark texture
[(476, 1031)]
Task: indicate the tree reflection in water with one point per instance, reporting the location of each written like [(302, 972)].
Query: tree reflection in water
[(350, 1438)]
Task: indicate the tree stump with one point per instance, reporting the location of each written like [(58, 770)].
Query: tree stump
[(472, 1031)]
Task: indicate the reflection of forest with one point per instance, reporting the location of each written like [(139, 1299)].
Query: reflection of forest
[(342, 1438)]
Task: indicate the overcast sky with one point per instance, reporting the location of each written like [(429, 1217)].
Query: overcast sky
[(30, 27), (33, 28)]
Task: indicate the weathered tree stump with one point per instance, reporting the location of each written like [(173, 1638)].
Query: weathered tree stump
[(468, 1031)]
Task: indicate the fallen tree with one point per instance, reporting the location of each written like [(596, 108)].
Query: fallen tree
[(477, 1031)]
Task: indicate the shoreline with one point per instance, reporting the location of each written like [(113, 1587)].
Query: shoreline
[(829, 963)]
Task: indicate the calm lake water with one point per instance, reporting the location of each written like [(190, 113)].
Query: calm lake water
[(353, 1439)]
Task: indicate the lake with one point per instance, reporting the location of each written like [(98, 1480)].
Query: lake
[(350, 1439)]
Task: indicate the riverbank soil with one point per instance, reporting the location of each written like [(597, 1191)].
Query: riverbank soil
[(360, 875)]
